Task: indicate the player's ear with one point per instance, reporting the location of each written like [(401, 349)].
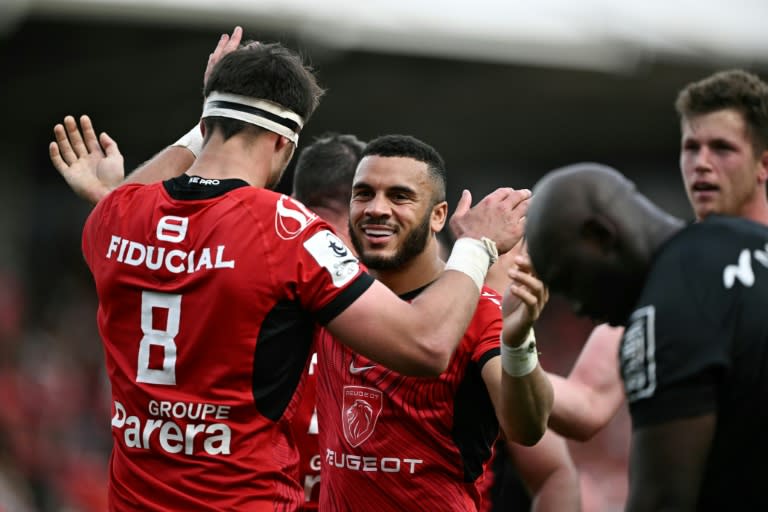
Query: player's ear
[(283, 145), (280, 142), (438, 216), (762, 172), (599, 233)]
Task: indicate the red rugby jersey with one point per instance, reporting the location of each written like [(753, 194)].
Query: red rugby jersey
[(305, 431), (208, 293), (395, 443)]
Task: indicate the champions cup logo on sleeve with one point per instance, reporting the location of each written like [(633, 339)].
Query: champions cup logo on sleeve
[(360, 411), (291, 218), (331, 253)]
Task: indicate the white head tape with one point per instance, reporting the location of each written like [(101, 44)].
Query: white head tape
[(264, 113)]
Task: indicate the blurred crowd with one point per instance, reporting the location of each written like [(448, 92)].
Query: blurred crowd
[(54, 419)]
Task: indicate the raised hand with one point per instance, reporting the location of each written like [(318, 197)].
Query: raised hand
[(523, 301), (499, 216), (226, 45), (91, 166)]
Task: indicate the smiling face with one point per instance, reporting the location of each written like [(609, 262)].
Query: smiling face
[(720, 170), (392, 212)]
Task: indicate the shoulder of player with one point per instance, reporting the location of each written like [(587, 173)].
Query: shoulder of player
[(128, 189), (713, 240), (119, 196), (488, 310), (291, 218), (485, 327), (720, 227), (707, 256), (260, 198), (489, 297)]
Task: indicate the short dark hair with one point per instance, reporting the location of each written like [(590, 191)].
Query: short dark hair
[(731, 89), (325, 168), (411, 147), (265, 71)]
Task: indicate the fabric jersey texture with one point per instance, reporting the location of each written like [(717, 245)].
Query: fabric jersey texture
[(502, 489), (208, 292), (396, 443), (305, 432), (697, 343)]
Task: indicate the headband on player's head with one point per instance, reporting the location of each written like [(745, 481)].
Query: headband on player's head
[(264, 113)]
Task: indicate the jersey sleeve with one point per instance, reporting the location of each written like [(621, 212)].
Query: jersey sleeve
[(328, 275), (677, 343), (487, 324)]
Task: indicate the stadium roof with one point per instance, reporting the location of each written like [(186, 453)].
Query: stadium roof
[(606, 35)]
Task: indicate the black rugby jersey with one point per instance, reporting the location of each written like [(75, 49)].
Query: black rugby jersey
[(697, 343)]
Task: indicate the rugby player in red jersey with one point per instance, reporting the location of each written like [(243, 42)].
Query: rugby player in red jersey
[(322, 180), (209, 282), (412, 444)]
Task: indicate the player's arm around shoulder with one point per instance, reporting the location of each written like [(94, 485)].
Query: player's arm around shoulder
[(419, 338), (519, 388)]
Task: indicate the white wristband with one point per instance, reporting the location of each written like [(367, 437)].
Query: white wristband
[(471, 257), (522, 360), (192, 140)]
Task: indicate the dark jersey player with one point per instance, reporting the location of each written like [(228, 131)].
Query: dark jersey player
[(693, 356)]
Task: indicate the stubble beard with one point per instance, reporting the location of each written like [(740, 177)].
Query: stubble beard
[(413, 245)]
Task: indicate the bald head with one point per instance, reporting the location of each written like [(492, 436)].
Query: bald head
[(565, 198), (591, 237)]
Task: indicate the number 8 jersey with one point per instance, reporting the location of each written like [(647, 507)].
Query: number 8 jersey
[(208, 292)]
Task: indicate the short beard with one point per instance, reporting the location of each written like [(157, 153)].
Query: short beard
[(412, 246)]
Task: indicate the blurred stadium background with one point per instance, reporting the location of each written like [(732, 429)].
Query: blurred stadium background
[(505, 90)]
